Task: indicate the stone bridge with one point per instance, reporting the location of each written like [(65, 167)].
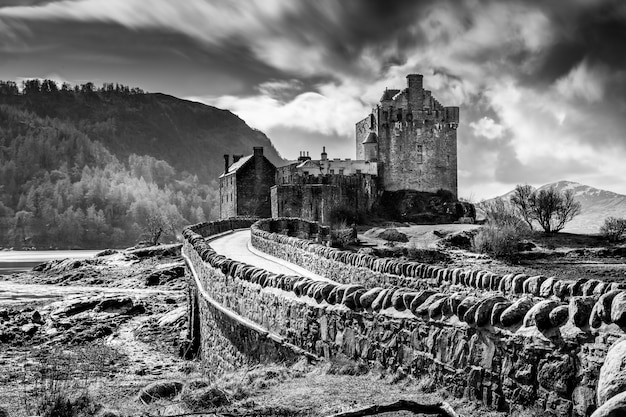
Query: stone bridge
[(269, 290)]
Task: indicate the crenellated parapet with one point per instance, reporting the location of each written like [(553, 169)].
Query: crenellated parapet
[(504, 340)]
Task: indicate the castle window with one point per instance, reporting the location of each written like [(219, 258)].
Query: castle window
[(332, 172), (420, 154), (409, 117), (358, 171), (340, 171), (306, 172), (399, 116)]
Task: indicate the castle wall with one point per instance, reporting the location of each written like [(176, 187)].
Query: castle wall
[(459, 335), (321, 198), (254, 181), (228, 196), (362, 130)]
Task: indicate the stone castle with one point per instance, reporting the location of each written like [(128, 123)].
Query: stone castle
[(407, 143)]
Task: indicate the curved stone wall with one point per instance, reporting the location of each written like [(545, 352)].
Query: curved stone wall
[(503, 340)]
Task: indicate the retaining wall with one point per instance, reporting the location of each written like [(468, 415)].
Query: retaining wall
[(502, 340)]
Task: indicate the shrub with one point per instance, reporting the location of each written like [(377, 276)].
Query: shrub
[(614, 229), (499, 242), (550, 208)]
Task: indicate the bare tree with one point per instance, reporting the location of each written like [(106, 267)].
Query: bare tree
[(521, 202), (552, 209), (613, 229)]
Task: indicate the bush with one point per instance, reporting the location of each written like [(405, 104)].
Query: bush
[(614, 229), (499, 242)]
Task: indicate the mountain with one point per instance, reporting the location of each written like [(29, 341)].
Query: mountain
[(189, 136), (82, 167), (596, 205)]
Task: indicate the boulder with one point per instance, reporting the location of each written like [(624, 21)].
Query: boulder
[(517, 284), (378, 302), (451, 304), (482, 316), (580, 310), (539, 314), (436, 309), (369, 297), (618, 309), (559, 316), (467, 303), (612, 379), (422, 310), (533, 284), (160, 389), (546, 287), (419, 299), (516, 311), (615, 407), (497, 310)]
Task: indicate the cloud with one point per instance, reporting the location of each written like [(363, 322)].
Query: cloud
[(488, 128), (541, 85)]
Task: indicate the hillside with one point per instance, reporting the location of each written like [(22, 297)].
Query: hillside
[(596, 205), (89, 168), (187, 135)]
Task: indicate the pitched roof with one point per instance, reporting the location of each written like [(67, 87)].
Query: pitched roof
[(389, 94), (234, 167), (371, 138)]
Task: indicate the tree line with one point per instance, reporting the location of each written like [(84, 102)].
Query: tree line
[(61, 189), (37, 86)]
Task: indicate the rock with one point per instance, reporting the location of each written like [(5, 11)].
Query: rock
[(497, 310), (559, 316), (533, 284), (3, 412), (546, 288), (369, 297), (108, 412), (605, 303), (516, 312), (160, 389), (618, 309), (29, 329), (482, 316), (467, 303), (378, 302), (451, 304), (584, 400), (397, 300), (517, 284), (615, 407), (176, 316), (422, 310), (393, 235), (419, 299), (436, 308), (612, 379), (35, 317), (580, 310), (106, 252), (208, 397), (539, 314), (557, 374)]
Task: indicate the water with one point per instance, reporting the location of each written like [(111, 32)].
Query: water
[(21, 261)]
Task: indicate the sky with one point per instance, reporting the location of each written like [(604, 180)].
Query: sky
[(541, 84)]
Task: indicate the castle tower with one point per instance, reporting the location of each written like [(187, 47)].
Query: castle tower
[(416, 139), (370, 147)]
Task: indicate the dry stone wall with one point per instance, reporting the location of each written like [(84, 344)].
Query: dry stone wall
[(503, 340)]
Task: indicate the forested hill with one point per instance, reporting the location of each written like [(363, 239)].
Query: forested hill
[(189, 136), (90, 168)]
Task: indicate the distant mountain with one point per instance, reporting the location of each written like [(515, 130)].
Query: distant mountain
[(190, 136), (596, 205)]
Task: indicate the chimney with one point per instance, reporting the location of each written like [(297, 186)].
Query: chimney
[(226, 163), (258, 151), (237, 158), (415, 81), (324, 154)]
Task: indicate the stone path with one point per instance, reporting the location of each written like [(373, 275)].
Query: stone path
[(237, 246)]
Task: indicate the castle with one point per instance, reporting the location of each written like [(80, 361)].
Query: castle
[(406, 144)]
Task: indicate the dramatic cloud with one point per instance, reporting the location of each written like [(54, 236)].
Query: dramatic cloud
[(541, 85)]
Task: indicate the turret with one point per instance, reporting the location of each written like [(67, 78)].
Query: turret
[(370, 147)]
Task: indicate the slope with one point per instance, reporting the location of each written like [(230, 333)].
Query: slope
[(189, 136)]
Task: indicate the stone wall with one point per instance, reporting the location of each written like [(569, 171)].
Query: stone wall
[(503, 340), (325, 198)]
